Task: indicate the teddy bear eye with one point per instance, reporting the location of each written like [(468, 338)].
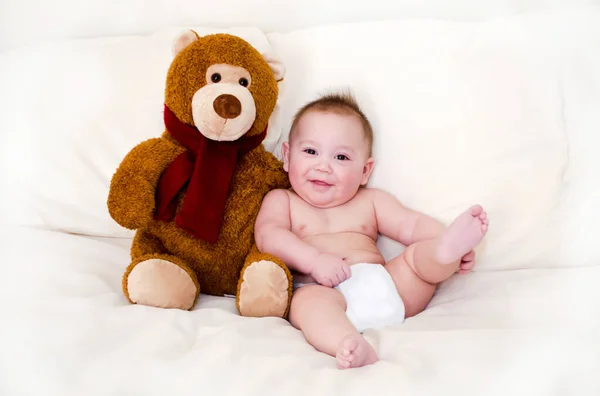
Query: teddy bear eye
[(216, 77), (243, 82)]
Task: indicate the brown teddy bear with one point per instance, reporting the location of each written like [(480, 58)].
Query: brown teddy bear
[(193, 194)]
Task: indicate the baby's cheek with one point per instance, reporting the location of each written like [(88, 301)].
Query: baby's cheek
[(353, 176), (350, 182), (294, 175)]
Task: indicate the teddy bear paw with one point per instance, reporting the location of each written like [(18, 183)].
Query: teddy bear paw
[(161, 283)]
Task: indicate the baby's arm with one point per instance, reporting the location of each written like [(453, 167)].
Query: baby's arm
[(273, 235), (401, 224)]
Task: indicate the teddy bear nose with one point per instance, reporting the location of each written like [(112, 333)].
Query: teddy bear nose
[(227, 106)]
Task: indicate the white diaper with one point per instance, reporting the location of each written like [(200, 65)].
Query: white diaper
[(371, 297), (372, 300)]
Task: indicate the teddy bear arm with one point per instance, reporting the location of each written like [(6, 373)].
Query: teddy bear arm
[(275, 175), (131, 201)]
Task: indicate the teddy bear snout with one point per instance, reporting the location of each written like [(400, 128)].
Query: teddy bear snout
[(227, 106), (223, 111)]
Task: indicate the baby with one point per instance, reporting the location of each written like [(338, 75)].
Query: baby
[(326, 227)]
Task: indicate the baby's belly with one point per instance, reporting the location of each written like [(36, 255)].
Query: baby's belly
[(354, 247)]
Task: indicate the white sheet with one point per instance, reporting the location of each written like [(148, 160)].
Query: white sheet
[(68, 330)]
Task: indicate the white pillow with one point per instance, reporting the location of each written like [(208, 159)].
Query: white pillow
[(463, 114), (28, 21), (71, 111)]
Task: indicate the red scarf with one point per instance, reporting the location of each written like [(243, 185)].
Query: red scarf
[(208, 166)]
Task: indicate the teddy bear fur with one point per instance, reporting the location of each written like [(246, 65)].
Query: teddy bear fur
[(169, 266)]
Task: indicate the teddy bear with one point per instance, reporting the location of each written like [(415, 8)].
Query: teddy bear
[(192, 195)]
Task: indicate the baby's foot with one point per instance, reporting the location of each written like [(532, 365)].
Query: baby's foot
[(465, 232), (355, 351)]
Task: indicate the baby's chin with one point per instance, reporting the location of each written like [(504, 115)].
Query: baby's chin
[(321, 200), (321, 204)]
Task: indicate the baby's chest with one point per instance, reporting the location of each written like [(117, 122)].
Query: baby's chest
[(307, 220)]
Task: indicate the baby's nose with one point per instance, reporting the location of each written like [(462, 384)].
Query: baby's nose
[(325, 168)]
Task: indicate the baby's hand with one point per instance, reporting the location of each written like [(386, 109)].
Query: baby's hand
[(329, 270)]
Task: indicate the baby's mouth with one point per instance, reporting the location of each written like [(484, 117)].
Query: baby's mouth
[(321, 183)]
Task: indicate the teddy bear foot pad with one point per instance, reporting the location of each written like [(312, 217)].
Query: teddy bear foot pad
[(161, 283), (264, 290)]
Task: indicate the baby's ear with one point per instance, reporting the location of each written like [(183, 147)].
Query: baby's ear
[(285, 153), (367, 170), (184, 39), (275, 64)]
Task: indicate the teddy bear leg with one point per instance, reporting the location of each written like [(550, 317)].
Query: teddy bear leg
[(158, 279), (265, 286)]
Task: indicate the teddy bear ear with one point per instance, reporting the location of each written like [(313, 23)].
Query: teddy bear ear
[(275, 64), (184, 39)]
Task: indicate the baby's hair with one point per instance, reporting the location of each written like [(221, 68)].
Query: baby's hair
[(340, 103)]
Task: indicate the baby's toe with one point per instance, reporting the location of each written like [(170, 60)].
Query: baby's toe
[(344, 364), (475, 210)]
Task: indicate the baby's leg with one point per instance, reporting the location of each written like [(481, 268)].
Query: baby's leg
[(320, 312), (424, 264)]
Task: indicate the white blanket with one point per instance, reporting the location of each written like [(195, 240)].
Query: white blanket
[(68, 330)]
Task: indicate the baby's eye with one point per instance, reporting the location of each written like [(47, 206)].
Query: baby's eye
[(341, 157), (310, 151)]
